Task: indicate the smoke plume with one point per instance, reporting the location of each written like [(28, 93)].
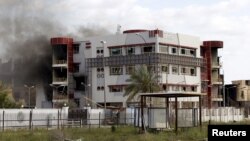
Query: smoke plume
[(24, 37), (25, 32)]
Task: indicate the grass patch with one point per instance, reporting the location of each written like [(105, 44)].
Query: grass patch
[(117, 133)]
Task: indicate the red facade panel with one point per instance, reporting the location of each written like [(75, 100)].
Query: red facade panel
[(133, 45), (69, 43), (88, 45), (70, 58), (61, 40), (175, 45), (135, 31), (207, 55), (213, 44), (153, 33)]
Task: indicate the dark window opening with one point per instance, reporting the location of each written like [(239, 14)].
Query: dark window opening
[(242, 94), (79, 81), (183, 70), (115, 89), (174, 50), (98, 88), (164, 69), (248, 82), (148, 49), (76, 48), (77, 101), (116, 71), (76, 68), (192, 71), (130, 51), (102, 87), (183, 51), (164, 87), (115, 51), (193, 89), (192, 52), (183, 88), (174, 70)]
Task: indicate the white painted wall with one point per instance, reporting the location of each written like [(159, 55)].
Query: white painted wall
[(19, 118), (132, 38)]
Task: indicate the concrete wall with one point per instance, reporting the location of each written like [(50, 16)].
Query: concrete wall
[(23, 118)]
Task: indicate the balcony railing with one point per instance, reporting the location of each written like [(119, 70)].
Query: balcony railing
[(60, 98), (216, 65), (217, 98), (60, 79), (217, 81), (60, 62)]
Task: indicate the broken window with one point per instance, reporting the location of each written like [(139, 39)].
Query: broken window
[(115, 70)]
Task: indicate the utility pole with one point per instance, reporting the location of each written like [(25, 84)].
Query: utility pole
[(29, 87), (224, 94), (86, 87), (150, 69), (104, 92)]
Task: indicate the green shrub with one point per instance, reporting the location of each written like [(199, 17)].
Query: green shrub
[(113, 129)]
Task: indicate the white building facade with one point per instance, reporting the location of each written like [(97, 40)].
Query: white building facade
[(103, 64)]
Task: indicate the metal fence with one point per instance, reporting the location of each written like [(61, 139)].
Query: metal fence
[(223, 114), (62, 118), (92, 118), (29, 118)]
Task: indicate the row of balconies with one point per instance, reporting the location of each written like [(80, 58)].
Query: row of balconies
[(216, 65), (217, 98), (59, 79), (60, 98), (217, 81), (60, 63)]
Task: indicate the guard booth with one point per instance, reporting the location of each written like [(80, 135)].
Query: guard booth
[(159, 118)]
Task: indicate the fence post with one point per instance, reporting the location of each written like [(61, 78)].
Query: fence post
[(30, 119), (193, 114), (125, 116), (134, 117), (88, 120), (80, 122), (99, 119), (248, 112), (3, 120), (58, 119), (138, 120), (233, 113)]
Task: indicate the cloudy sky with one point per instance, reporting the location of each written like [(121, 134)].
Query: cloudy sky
[(226, 20)]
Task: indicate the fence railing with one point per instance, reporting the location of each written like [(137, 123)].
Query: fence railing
[(153, 117), (29, 118), (58, 118), (223, 114), (58, 123)]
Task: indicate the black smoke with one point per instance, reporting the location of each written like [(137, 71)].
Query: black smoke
[(25, 30)]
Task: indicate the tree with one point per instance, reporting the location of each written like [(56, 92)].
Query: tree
[(6, 98), (141, 81)]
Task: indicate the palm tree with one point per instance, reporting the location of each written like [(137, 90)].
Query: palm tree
[(141, 81)]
